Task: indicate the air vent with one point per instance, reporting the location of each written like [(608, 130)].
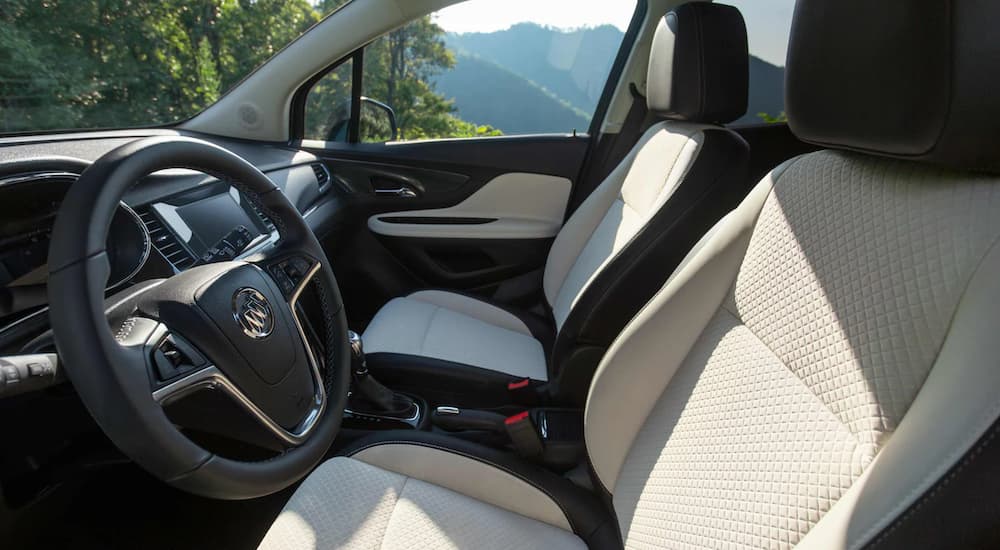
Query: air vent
[(263, 218), (322, 176), (165, 241)]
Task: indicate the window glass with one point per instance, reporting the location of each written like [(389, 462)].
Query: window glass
[(120, 63), (487, 68), (769, 23)]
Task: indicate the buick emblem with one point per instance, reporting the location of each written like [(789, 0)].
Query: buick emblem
[(253, 313)]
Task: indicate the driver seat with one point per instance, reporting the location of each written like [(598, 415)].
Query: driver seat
[(820, 371)]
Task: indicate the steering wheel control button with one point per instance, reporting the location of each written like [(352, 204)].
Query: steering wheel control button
[(174, 357), (26, 373), (229, 246), (253, 313), (11, 374), (290, 273)]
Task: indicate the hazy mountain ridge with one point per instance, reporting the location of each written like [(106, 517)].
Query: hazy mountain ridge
[(529, 78)]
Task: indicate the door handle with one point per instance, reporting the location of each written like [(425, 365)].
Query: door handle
[(401, 192)]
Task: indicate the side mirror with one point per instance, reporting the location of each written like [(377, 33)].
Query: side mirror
[(338, 122), (378, 121)]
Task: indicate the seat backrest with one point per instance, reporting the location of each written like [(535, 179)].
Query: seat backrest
[(827, 352), (684, 173)]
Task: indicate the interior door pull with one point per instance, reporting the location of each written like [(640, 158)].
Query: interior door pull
[(403, 192)]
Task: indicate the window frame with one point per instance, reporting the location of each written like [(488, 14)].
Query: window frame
[(296, 131)]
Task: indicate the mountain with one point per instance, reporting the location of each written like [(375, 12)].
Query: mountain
[(767, 89), (486, 93), (529, 78), (573, 65)]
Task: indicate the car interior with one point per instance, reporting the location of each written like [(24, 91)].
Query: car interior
[(667, 328)]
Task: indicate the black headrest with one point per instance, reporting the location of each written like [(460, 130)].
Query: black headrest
[(699, 64), (915, 79)]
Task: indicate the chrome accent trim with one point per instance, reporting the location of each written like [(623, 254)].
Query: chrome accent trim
[(447, 410), (148, 241), (412, 421), (320, 186), (212, 378), (33, 176), (252, 312)]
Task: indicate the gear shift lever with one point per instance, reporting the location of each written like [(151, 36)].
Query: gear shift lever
[(368, 394)]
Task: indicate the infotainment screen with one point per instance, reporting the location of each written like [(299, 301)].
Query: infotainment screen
[(213, 218)]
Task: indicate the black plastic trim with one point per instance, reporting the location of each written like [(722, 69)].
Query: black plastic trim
[(436, 220), (443, 382)]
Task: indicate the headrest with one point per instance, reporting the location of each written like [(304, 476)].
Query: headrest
[(914, 79), (699, 64)]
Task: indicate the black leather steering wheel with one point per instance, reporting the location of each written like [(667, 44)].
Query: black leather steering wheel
[(230, 326)]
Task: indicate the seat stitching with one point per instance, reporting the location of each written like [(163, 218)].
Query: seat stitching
[(427, 328), (936, 491), (482, 303), (395, 506), (989, 417), (566, 515)]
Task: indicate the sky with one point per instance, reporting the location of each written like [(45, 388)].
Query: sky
[(768, 21)]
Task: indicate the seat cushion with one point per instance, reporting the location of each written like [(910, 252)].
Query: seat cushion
[(457, 330), (393, 493)]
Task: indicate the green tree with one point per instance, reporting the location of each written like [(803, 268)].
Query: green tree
[(399, 69), (108, 63), (772, 119), (119, 63)]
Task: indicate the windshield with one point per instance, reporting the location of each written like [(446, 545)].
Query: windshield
[(81, 64)]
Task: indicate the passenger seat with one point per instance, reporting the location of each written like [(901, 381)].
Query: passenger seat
[(612, 254)]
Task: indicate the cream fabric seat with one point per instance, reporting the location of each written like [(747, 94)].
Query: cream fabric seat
[(821, 370), (615, 250)]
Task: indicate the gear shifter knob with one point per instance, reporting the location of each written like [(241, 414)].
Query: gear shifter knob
[(358, 364), (357, 346)]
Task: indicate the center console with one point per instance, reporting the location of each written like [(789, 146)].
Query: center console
[(372, 406), (550, 436)]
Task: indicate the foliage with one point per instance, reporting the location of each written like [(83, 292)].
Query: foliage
[(118, 63), (772, 119), (398, 70)]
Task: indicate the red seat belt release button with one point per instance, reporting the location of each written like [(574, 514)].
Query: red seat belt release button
[(519, 384), (519, 417)]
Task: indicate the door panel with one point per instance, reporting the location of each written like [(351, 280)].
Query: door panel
[(476, 215), (475, 265), (515, 205)]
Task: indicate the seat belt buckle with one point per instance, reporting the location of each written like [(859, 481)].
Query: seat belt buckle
[(523, 435)]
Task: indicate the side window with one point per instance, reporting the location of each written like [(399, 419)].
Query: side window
[(483, 68), (768, 26)]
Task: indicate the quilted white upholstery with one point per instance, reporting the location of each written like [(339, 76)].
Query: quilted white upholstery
[(848, 288), (854, 273), (736, 452), (348, 504), (627, 199), (457, 328)]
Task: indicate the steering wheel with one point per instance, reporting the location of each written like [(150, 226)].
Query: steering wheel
[(229, 326)]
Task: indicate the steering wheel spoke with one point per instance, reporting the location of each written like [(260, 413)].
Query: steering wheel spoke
[(234, 327), (211, 378)]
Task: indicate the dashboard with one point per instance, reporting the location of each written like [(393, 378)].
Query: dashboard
[(168, 222)]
